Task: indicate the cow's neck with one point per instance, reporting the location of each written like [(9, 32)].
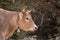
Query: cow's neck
[(18, 30)]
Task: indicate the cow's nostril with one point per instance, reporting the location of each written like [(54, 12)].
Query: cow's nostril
[(36, 28)]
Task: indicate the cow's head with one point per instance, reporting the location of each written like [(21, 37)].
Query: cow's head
[(25, 21)]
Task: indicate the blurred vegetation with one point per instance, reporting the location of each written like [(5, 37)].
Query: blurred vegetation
[(45, 13)]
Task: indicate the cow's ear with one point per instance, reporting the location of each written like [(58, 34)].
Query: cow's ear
[(20, 15)]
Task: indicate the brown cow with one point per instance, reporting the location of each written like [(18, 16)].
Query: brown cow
[(11, 20)]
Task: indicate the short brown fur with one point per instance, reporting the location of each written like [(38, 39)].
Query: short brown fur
[(10, 21)]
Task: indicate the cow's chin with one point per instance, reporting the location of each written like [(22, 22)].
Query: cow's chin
[(28, 30)]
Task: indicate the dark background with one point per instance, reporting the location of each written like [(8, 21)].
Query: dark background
[(45, 13)]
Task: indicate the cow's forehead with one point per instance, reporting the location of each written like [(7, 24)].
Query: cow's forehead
[(27, 15)]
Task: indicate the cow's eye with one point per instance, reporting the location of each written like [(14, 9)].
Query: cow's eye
[(27, 18)]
